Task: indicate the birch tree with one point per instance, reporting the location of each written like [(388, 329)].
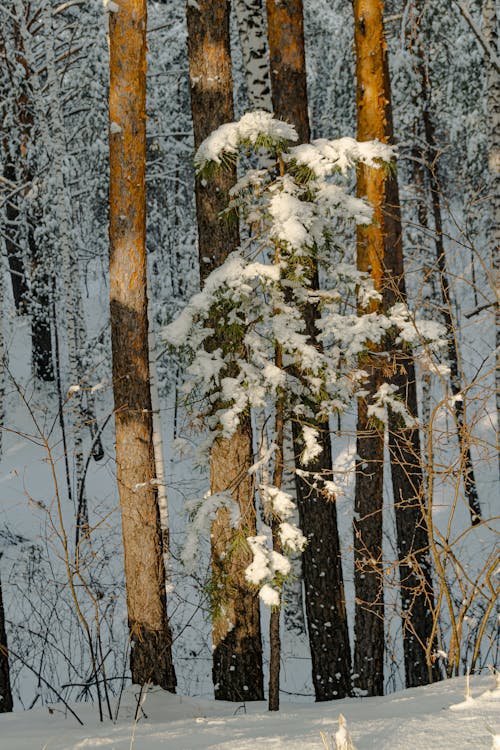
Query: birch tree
[(151, 658), (250, 17)]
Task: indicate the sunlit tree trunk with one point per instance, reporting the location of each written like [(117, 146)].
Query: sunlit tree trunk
[(380, 252), (151, 659), (237, 655), (322, 566)]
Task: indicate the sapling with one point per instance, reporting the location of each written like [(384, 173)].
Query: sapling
[(246, 332)]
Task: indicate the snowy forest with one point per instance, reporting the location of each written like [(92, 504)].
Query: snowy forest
[(249, 373)]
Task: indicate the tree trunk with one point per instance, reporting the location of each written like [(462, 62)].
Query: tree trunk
[(36, 300), (285, 32), (151, 659), (252, 31), (380, 252), (274, 625), (369, 637), (12, 242), (429, 156), (322, 565), (490, 31), (5, 690), (237, 655), (369, 640)]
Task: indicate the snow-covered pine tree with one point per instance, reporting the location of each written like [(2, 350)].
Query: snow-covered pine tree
[(256, 300)]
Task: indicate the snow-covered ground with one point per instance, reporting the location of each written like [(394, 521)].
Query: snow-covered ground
[(434, 718)]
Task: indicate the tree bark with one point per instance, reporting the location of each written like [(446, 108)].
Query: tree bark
[(12, 242), (490, 31), (151, 659), (322, 565), (237, 655), (252, 32), (6, 703), (35, 297), (285, 32), (380, 252), (429, 156)]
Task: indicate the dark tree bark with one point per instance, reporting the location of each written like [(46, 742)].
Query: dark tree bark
[(380, 252), (322, 565), (151, 658), (35, 297), (5, 689), (237, 656), (13, 246), (369, 640), (429, 155)]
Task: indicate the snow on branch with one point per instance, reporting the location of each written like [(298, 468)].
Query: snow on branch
[(255, 129)]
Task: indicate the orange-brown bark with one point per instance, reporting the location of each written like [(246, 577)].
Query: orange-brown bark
[(367, 526), (151, 659), (380, 252), (285, 31)]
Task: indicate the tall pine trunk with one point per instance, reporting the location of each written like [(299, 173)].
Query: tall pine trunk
[(429, 156), (5, 689), (237, 654), (490, 32), (380, 252), (322, 565), (151, 659)]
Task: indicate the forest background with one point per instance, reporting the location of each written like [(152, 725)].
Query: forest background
[(61, 565)]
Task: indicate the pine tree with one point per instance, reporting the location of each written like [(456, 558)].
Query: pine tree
[(429, 156), (151, 659), (237, 655), (322, 565), (31, 289), (380, 252)]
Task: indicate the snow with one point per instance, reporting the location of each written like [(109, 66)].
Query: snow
[(312, 448), (291, 537), (266, 562), (269, 595), (324, 157), (203, 513), (418, 718), (250, 129), (386, 398)]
